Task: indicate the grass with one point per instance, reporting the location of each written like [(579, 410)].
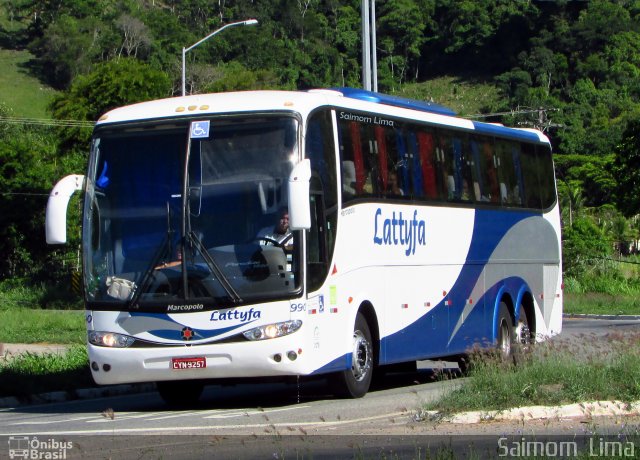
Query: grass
[(553, 373), (597, 303), (24, 94), (31, 373), (25, 325), (464, 97)]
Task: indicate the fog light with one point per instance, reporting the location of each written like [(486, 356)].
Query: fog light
[(292, 355), (95, 366), (277, 357), (106, 367)]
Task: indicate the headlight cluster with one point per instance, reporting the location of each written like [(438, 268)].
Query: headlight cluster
[(110, 339), (271, 331)]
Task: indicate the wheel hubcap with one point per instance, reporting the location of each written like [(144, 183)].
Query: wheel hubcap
[(361, 358), (523, 333), (505, 340)]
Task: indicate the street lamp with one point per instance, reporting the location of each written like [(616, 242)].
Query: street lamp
[(248, 22)]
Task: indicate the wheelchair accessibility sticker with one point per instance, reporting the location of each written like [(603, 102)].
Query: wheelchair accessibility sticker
[(199, 129)]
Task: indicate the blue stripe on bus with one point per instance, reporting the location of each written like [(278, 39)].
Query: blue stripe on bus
[(386, 99), (503, 131), (429, 336), (173, 329)]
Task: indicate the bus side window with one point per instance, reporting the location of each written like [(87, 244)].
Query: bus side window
[(358, 160), (381, 141), (402, 164), (546, 175), (416, 169), (349, 162), (427, 151), (508, 172), (442, 176), (530, 180), (480, 188), (467, 184), (371, 162), (449, 170), (518, 187)]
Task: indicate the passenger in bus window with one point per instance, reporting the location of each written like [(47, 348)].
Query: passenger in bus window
[(392, 185), (465, 195)]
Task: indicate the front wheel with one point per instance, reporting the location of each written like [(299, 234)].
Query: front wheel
[(355, 381)]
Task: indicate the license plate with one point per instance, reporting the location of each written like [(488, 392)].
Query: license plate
[(199, 362)]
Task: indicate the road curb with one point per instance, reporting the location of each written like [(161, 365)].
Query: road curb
[(609, 317), (523, 414), (72, 395)]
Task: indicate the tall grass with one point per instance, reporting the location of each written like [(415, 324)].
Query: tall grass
[(31, 373), (20, 293), (610, 287), (552, 373)]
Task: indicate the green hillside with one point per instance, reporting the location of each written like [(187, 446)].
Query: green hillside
[(464, 97), (24, 94)]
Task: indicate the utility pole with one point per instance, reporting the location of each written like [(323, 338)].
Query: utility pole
[(369, 53)]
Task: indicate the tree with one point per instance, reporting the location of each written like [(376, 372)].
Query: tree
[(583, 243), (627, 170), (135, 35), (29, 166), (401, 35), (110, 85)]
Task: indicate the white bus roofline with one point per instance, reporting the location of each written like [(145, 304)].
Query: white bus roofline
[(56, 217)]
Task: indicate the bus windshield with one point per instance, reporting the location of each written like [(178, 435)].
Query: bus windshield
[(174, 221)]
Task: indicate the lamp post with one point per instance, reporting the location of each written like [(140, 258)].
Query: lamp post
[(248, 22), (369, 51)]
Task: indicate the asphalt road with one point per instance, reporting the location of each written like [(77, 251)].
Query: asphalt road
[(267, 421)]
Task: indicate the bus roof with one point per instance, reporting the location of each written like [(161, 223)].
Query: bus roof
[(305, 102)]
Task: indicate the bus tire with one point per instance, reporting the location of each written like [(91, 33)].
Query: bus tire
[(505, 338), (180, 393), (355, 381), (523, 334)]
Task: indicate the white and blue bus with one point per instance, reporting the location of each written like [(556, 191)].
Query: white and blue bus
[(413, 234)]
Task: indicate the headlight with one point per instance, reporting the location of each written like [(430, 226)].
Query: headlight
[(271, 331), (110, 339)]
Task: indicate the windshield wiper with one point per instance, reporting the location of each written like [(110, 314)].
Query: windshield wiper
[(162, 250), (213, 266)]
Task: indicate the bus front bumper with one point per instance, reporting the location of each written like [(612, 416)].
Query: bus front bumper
[(284, 356)]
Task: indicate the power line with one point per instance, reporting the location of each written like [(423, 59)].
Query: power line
[(542, 123), (46, 122)]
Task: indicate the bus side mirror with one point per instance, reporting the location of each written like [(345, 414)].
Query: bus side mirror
[(299, 207), (56, 217)]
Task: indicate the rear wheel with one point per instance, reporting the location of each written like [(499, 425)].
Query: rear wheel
[(180, 393), (355, 381), (505, 331), (523, 334)]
